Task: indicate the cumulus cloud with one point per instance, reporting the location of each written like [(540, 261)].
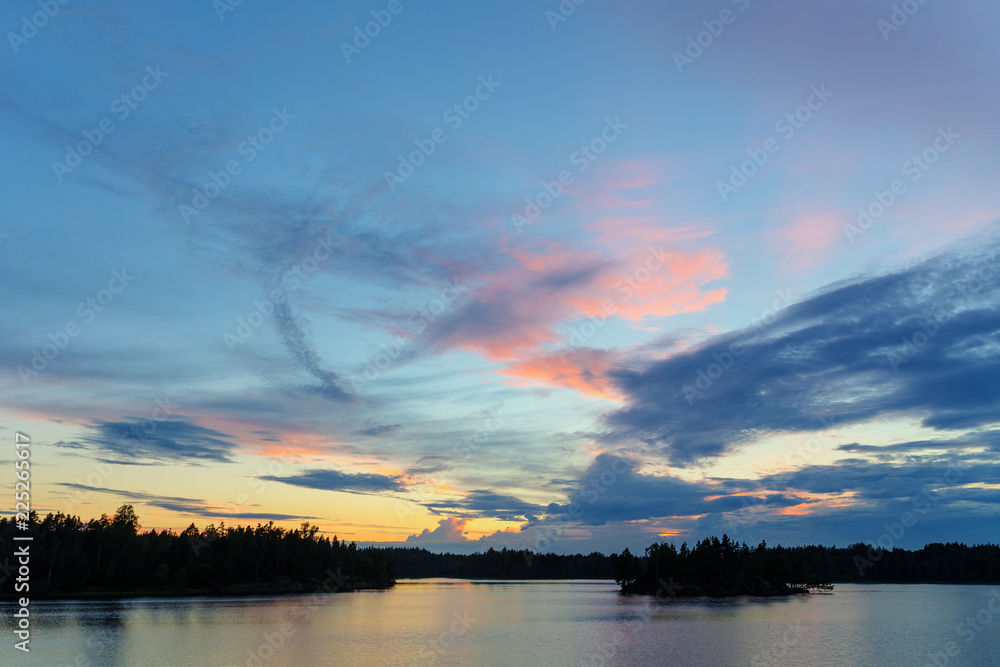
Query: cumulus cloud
[(449, 530)]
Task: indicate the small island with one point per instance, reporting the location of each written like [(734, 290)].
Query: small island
[(715, 568), (724, 568)]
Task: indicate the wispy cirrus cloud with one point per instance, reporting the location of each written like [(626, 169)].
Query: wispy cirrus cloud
[(185, 506)]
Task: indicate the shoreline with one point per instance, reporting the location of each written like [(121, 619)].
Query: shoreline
[(302, 590), (239, 591)]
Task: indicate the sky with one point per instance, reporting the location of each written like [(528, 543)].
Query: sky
[(567, 277)]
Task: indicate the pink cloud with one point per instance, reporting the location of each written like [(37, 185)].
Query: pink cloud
[(584, 370), (808, 241), (627, 266), (613, 184), (635, 174), (518, 312)]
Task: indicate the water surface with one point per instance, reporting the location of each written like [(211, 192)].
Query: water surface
[(453, 622)]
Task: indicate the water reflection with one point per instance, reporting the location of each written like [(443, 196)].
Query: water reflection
[(448, 622)]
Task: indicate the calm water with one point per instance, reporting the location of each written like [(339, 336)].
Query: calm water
[(448, 622)]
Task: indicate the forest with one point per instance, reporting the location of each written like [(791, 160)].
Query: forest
[(411, 563), (112, 557)]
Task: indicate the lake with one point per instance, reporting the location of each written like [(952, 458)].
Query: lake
[(455, 622)]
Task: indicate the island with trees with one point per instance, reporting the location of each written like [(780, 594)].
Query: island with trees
[(722, 568)]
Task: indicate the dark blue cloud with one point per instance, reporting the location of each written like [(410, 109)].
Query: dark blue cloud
[(988, 439), (937, 489), (918, 342), (377, 430), (482, 503), (334, 480), (175, 439), (866, 480), (612, 489)]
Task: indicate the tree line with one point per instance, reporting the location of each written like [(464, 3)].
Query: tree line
[(415, 563), (110, 556), (724, 567)]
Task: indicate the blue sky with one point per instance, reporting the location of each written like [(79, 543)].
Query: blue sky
[(494, 278)]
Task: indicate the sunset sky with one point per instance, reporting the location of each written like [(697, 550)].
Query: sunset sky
[(500, 276)]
